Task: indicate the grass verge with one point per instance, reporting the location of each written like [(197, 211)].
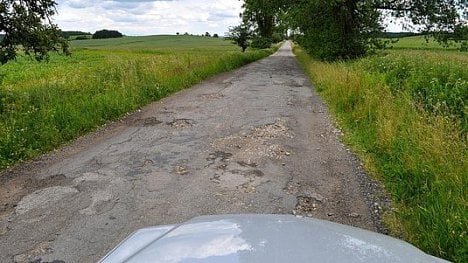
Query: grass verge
[(43, 105), (405, 115)]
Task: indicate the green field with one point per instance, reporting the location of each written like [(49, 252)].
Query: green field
[(43, 105), (161, 43), (405, 113), (420, 43)]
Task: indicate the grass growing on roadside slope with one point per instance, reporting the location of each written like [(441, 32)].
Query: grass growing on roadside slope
[(405, 115), (43, 105)]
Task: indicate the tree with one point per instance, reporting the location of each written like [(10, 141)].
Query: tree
[(207, 34), (101, 34), (460, 34), (240, 35), (82, 37), (215, 35), (344, 29), (263, 15), (69, 34), (337, 29), (27, 24)]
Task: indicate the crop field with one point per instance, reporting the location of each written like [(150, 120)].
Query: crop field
[(161, 43), (404, 112), (43, 105)]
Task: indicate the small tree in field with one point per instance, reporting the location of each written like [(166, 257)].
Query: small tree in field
[(240, 35), (27, 24)]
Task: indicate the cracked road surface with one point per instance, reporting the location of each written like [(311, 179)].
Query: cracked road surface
[(255, 140)]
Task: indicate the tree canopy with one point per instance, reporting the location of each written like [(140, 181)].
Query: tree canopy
[(240, 35), (101, 34), (27, 24), (341, 29), (68, 34)]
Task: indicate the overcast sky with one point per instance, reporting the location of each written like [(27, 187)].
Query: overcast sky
[(152, 17), (149, 17)]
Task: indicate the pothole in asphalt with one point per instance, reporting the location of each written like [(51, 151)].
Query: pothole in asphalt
[(44, 198), (256, 173), (13, 191), (145, 122), (245, 164), (256, 143), (306, 205), (272, 130), (296, 84), (292, 187), (223, 156), (151, 121), (181, 123), (247, 188), (213, 96), (181, 170)]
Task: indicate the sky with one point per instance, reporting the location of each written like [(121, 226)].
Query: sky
[(152, 17), (149, 17)]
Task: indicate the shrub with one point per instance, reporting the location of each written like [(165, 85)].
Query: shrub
[(261, 42)]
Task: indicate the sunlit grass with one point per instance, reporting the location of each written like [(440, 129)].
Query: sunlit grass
[(404, 114)]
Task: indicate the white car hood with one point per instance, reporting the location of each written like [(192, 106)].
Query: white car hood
[(262, 238)]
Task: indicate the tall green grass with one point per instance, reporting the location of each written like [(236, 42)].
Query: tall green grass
[(405, 115), (436, 81), (43, 105)]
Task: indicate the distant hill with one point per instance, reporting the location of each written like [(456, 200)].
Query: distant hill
[(65, 34)]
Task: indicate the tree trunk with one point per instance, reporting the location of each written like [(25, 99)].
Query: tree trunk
[(349, 26)]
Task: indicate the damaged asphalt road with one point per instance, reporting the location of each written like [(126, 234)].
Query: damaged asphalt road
[(255, 140)]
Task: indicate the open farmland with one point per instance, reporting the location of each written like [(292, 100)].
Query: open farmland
[(43, 105), (420, 43), (404, 112)]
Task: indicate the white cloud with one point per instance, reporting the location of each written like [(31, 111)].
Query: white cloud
[(147, 17)]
